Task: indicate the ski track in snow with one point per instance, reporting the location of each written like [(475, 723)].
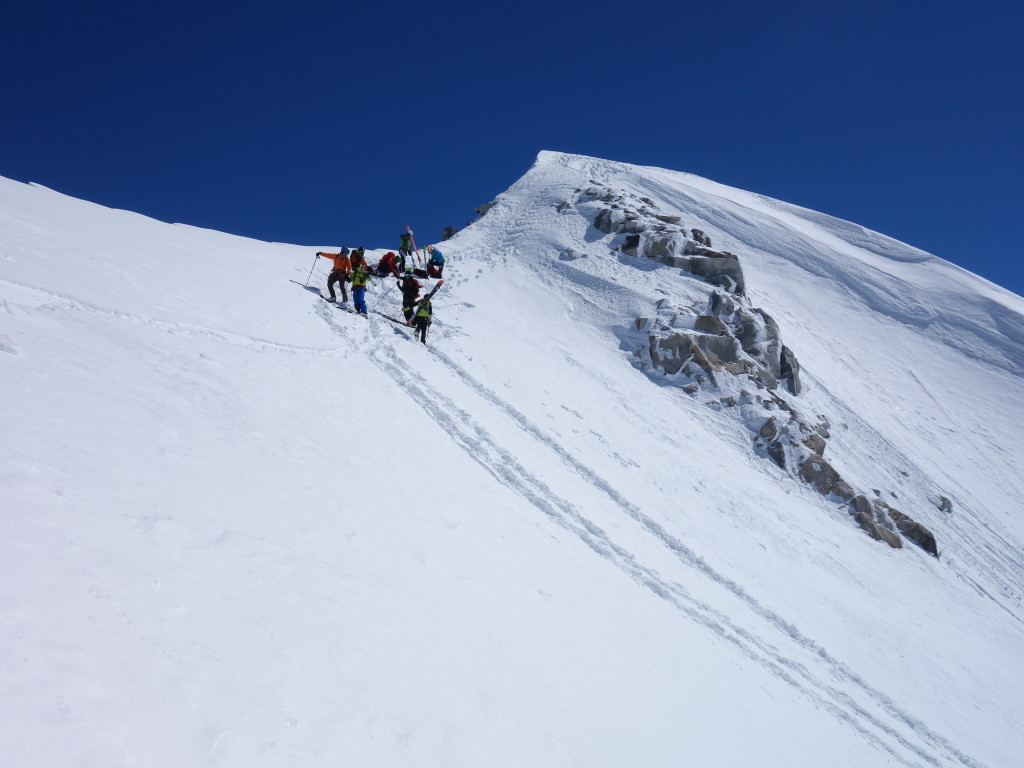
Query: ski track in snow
[(58, 302), (890, 729), (761, 650)]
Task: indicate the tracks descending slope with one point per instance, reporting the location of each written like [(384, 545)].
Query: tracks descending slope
[(795, 658)]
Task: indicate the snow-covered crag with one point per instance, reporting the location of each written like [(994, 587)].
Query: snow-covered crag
[(729, 352), (592, 522)]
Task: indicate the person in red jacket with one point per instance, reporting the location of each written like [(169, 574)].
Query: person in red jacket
[(389, 265), (340, 272)]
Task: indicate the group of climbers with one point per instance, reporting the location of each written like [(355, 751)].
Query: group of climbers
[(350, 266)]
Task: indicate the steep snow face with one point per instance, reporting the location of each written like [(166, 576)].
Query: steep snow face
[(244, 527)]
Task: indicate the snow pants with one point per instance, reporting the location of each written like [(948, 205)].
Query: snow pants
[(409, 305), (359, 298), (421, 326), (337, 276)]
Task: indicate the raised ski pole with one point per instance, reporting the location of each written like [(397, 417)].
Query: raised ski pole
[(312, 268), (414, 248)]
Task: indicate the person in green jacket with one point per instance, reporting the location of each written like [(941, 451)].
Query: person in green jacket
[(405, 245), (360, 277), (423, 318)]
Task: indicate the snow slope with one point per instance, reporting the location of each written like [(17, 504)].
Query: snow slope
[(244, 528)]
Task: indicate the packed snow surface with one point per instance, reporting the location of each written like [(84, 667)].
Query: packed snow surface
[(243, 527)]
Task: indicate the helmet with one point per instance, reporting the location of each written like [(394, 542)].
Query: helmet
[(408, 271), (344, 251)]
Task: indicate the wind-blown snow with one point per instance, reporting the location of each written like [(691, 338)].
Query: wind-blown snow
[(244, 528)]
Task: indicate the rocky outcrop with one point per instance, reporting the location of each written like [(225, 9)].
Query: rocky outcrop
[(700, 237), (721, 269), (816, 471), (661, 246), (608, 221), (911, 529), (731, 354), (876, 525), (789, 370), (631, 245)]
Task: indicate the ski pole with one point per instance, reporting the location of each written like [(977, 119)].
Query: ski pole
[(383, 295), (312, 268)]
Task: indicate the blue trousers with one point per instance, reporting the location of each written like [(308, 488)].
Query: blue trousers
[(359, 299)]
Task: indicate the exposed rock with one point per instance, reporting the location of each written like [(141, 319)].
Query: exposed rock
[(789, 371), (765, 378), (563, 206), (877, 532), (816, 471), (662, 245), (722, 304), (696, 249), (843, 490), (680, 262), (670, 352), (816, 444), (874, 521), (769, 430), (711, 324), (449, 232), (700, 237), (771, 328), (667, 219), (480, 210), (718, 349), (861, 503), (715, 268), (608, 220), (777, 454), (945, 505), (641, 322), (748, 332), (631, 245), (632, 226), (912, 529)]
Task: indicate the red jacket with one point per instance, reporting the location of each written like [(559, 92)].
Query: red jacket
[(390, 261)]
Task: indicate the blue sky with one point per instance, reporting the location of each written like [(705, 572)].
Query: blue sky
[(330, 123)]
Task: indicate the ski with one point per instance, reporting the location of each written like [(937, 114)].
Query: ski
[(339, 305), (415, 250), (394, 320), (403, 323), (433, 291)]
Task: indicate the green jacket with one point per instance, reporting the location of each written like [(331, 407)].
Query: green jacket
[(360, 276), (425, 309)]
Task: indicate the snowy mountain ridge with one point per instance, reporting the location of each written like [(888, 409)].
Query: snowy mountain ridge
[(245, 528)]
